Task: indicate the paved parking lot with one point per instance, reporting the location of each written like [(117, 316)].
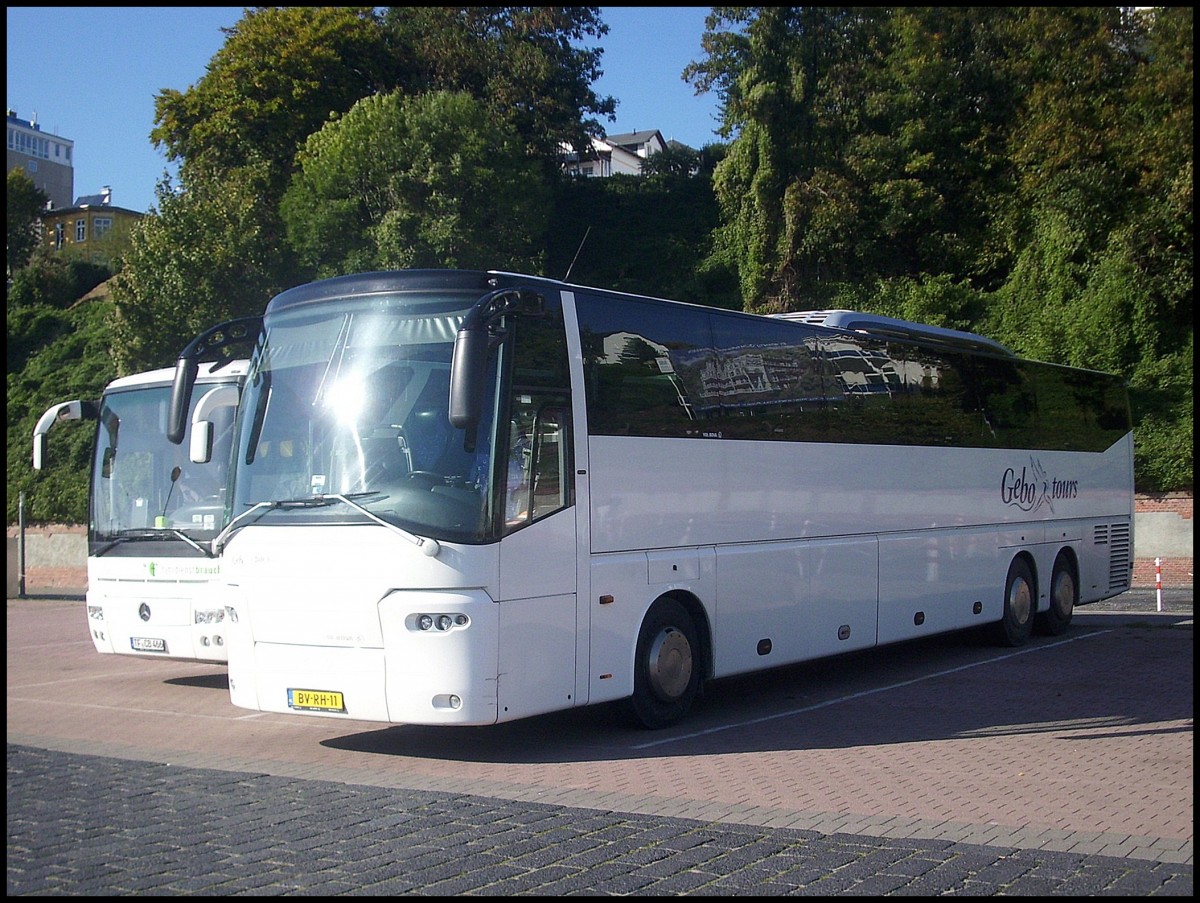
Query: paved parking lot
[(944, 766)]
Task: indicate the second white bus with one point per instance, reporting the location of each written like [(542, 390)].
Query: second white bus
[(471, 497), (153, 513)]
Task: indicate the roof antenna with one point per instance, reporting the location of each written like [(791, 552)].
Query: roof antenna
[(576, 257)]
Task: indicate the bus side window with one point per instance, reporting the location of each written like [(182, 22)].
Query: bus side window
[(518, 483), (538, 467), (551, 462)]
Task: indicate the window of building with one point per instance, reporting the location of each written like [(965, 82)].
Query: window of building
[(100, 225), (31, 145), (60, 236), (80, 230)]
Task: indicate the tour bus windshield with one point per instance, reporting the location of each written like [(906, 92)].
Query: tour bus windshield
[(145, 487), (345, 418)]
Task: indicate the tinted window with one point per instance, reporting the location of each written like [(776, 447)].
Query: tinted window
[(646, 366), (770, 378), (653, 368)]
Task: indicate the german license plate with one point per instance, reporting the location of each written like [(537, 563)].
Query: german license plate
[(316, 700), (147, 644)]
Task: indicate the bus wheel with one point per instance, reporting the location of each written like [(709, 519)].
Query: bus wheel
[(1020, 604), (666, 673), (1063, 596)]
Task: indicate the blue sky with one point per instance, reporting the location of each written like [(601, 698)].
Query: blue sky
[(90, 74)]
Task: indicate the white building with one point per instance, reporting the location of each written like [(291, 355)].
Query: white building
[(45, 158), (615, 155)]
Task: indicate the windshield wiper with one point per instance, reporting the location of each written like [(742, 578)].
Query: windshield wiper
[(150, 535), (427, 545)]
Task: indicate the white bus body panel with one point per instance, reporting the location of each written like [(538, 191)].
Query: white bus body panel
[(348, 624), (148, 607), (805, 599), (782, 554), (701, 492)]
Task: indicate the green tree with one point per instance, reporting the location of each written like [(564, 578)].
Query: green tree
[(25, 204), (211, 254), (869, 144), (1025, 172), (673, 160), (68, 357), (792, 83), (281, 74), (529, 65), (642, 234), (426, 181)]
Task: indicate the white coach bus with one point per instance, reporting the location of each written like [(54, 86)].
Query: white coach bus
[(471, 497), (152, 514)]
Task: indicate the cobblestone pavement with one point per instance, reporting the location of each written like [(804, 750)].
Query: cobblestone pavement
[(83, 824), (91, 825)]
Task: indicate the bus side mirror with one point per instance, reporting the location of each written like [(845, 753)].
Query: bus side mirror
[(67, 410), (467, 376), (201, 447), (181, 398), (39, 450), (200, 450)]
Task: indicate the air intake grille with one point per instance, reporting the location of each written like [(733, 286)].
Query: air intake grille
[(1116, 537)]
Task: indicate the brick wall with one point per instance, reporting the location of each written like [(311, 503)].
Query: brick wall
[(1163, 530)]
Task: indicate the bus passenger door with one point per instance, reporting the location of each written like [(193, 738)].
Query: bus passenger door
[(537, 585)]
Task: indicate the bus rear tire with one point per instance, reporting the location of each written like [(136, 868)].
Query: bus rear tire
[(666, 674), (1020, 606), (1064, 594)]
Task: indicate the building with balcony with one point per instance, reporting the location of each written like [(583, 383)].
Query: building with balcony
[(45, 158)]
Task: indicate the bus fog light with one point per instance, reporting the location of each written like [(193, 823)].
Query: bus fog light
[(444, 622), (424, 622), (218, 640), (204, 641), (447, 701), (460, 620)]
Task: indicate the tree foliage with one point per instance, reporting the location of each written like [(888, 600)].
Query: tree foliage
[(281, 74), (25, 203), (210, 255), (75, 363), (649, 235), (426, 181), (529, 65), (1025, 172)]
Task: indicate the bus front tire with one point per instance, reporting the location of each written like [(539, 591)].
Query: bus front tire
[(667, 670), (1064, 594), (1020, 606)]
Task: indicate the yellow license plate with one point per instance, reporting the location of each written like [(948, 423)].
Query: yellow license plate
[(316, 700)]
